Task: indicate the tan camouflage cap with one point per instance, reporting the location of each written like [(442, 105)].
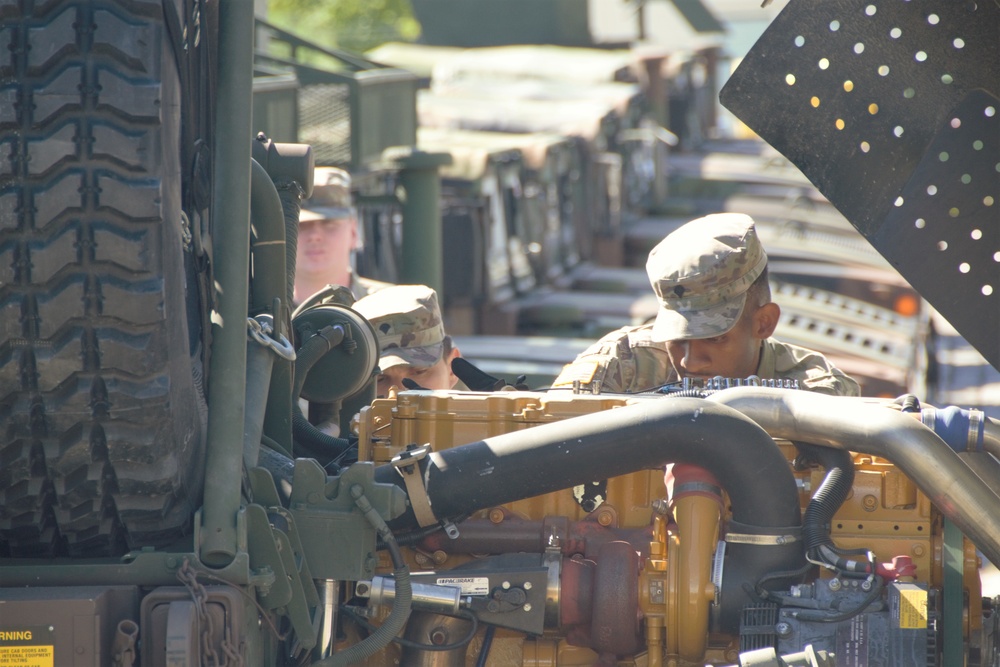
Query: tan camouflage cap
[(331, 197), (701, 272), (408, 323)]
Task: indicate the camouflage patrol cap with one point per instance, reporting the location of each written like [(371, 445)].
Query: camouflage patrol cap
[(408, 323), (701, 273), (331, 197)]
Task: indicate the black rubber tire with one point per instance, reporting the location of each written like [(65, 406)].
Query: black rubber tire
[(102, 412)]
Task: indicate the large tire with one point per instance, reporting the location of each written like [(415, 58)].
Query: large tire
[(101, 410)]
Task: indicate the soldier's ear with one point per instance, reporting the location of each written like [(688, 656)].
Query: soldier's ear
[(765, 320)]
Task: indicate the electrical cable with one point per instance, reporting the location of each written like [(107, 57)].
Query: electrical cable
[(818, 617)]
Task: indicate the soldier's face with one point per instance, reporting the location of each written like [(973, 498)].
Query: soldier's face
[(438, 376), (325, 245), (734, 354)]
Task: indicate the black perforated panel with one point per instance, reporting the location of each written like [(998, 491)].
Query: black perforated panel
[(891, 109)]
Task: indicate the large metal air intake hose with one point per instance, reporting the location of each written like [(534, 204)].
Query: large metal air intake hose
[(646, 435)]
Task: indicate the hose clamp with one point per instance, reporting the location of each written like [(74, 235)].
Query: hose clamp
[(261, 331), (760, 540), (762, 536), (975, 440), (408, 465)]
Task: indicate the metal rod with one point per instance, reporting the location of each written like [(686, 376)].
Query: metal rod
[(421, 185), (330, 599), (231, 211)]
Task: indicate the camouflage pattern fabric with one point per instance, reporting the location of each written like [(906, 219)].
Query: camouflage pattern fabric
[(629, 360), (362, 287), (408, 322), (701, 273), (331, 196), (359, 288)]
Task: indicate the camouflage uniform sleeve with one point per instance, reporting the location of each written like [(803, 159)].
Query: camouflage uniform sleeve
[(834, 383), (607, 365), (813, 370), (623, 361)]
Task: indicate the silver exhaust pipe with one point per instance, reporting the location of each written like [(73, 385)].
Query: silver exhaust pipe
[(869, 426)]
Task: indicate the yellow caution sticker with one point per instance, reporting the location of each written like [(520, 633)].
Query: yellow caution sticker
[(912, 608), (27, 656), (27, 647)]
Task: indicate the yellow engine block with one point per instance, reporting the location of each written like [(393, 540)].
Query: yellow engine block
[(885, 512)]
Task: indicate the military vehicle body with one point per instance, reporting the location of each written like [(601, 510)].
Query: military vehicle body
[(164, 503)]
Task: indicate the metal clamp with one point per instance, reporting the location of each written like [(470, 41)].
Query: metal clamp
[(407, 463), (760, 540), (975, 440), (261, 332)]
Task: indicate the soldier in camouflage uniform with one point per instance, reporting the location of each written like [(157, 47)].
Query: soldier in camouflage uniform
[(411, 338), (328, 237), (716, 319)]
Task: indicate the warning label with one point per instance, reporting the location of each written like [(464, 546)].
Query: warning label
[(912, 609), (468, 585), (27, 656), (852, 642), (27, 647)]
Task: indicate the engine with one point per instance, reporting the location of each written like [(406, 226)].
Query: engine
[(697, 566)]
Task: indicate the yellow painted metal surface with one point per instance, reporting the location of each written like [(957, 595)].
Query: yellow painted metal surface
[(884, 512)]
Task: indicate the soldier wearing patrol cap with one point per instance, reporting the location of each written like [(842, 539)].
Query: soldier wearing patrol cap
[(716, 318), (411, 338), (328, 237)]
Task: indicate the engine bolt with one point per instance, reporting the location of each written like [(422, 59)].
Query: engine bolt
[(783, 629), (869, 502), (440, 557), (496, 515), (834, 584), (918, 550), (527, 585), (604, 517), (866, 585), (527, 606), (505, 585)]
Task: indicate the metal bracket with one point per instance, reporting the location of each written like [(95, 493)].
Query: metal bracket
[(408, 465)]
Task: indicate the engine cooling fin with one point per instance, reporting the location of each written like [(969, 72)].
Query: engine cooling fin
[(892, 110)]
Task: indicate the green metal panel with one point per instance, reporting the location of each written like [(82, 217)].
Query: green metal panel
[(699, 16), (490, 23), (954, 597), (276, 105), (349, 109)]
